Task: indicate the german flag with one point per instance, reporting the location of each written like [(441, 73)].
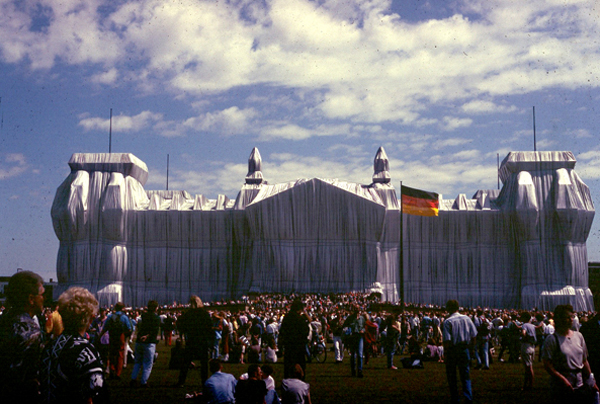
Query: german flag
[(419, 203)]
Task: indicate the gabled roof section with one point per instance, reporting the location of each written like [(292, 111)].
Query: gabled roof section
[(376, 193)]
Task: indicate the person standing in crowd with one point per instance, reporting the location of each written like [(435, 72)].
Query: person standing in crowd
[(220, 387), (294, 390), (482, 342), (252, 390), (293, 335), (127, 351), (197, 326), (71, 365), (404, 333), (392, 333), (119, 328), (337, 329), (21, 338), (100, 342), (591, 332), (514, 339), (528, 340), (168, 325), (565, 359), (357, 323), (459, 335), (145, 346), (218, 334), (540, 328)]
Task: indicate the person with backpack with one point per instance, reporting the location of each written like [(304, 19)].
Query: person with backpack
[(119, 328)]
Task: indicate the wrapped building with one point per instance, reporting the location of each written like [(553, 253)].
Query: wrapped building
[(521, 247)]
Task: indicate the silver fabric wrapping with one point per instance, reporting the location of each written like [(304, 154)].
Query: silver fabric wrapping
[(524, 246)]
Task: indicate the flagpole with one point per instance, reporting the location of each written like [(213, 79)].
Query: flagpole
[(401, 253)]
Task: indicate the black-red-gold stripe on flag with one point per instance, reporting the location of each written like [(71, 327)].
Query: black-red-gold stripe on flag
[(418, 202)]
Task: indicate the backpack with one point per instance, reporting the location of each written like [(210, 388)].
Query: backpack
[(483, 330), (116, 327)]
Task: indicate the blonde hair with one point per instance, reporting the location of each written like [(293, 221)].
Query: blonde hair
[(77, 307), (196, 302)]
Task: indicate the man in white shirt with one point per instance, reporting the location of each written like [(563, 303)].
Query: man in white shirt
[(458, 332)]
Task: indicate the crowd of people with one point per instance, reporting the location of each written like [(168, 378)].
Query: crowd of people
[(65, 353)]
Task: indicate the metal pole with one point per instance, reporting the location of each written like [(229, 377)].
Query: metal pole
[(167, 172), (534, 140), (401, 252), (110, 133)]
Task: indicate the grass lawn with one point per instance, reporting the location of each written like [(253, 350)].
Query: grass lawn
[(332, 384)]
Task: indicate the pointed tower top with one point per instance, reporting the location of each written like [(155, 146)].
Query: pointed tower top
[(381, 167), (254, 175)]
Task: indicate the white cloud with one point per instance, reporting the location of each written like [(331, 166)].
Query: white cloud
[(453, 123), (47, 31), (295, 132), (579, 133), (13, 165), (228, 121), (486, 107), (122, 123), (359, 60), (108, 77), (546, 144), (450, 142), (588, 164)]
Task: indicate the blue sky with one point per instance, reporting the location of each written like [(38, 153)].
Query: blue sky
[(317, 86)]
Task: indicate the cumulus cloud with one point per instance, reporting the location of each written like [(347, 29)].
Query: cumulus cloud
[(295, 132), (359, 59), (486, 107), (450, 123), (122, 123), (546, 144), (228, 121), (12, 165), (108, 77), (579, 133), (47, 31), (588, 164)]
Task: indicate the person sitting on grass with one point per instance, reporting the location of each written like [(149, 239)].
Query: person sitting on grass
[(252, 390), (294, 390), (220, 387), (433, 352)]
